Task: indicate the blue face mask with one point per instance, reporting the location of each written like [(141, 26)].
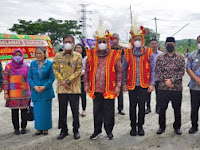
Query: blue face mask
[(17, 59)]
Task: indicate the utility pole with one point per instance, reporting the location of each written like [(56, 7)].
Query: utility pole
[(131, 16), (83, 19), (156, 26)]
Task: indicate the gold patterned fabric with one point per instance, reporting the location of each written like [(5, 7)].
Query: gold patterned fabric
[(68, 67)]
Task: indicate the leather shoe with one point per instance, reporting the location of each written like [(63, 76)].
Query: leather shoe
[(193, 130), (62, 136), (121, 112), (178, 131), (23, 131), (133, 132), (77, 136), (16, 132), (160, 131), (95, 135), (141, 131), (110, 136)]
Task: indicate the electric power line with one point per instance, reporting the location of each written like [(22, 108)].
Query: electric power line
[(83, 19)]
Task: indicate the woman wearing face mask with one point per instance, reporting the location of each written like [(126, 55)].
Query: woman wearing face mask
[(17, 90), (41, 78), (81, 49)]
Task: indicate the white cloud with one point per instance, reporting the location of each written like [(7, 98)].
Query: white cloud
[(173, 14)]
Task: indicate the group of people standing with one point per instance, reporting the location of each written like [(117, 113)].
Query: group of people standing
[(103, 72)]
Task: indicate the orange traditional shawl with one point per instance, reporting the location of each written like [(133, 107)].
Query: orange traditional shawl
[(112, 59), (144, 68)]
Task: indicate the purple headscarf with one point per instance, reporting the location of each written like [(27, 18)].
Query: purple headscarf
[(18, 67)]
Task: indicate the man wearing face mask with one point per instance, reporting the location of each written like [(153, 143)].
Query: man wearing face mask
[(103, 81), (67, 68), (116, 46), (170, 69), (138, 70), (193, 70)]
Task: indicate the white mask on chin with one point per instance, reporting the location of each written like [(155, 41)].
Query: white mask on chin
[(137, 44), (102, 46), (198, 45), (68, 46)]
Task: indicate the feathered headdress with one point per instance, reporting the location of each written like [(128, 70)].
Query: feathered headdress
[(102, 33), (137, 30)]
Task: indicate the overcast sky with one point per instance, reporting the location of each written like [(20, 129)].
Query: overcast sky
[(173, 14)]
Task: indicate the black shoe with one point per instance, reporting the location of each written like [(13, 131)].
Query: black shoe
[(193, 130), (141, 131), (121, 112), (160, 131), (110, 136), (178, 131), (133, 132), (16, 132), (23, 131), (77, 136), (95, 135), (62, 135), (148, 110)]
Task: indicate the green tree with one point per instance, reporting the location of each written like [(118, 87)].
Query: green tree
[(53, 28), (150, 34)]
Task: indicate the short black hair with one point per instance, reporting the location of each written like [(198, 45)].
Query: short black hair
[(198, 37), (83, 50), (170, 39), (60, 50), (69, 36), (153, 40)]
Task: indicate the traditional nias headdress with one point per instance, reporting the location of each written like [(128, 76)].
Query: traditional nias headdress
[(137, 30), (102, 33)]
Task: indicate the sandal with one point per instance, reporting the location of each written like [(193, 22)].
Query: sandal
[(83, 114), (45, 132), (38, 132)]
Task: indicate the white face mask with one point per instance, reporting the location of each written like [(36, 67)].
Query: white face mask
[(137, 44), (68, 46), (198, 45), (102, 46)]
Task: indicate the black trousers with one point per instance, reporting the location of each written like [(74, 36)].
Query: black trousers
[(83, 96), (120, 101), (15, 118), (176, 99), (195, 103), (73, 99), (157, 97), (104, 112), (138, 97)]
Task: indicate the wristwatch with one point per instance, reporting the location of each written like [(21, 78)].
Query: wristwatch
[(68, 81)]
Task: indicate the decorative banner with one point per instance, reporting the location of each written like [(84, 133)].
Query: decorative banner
[(28, 43), (90, 42)]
